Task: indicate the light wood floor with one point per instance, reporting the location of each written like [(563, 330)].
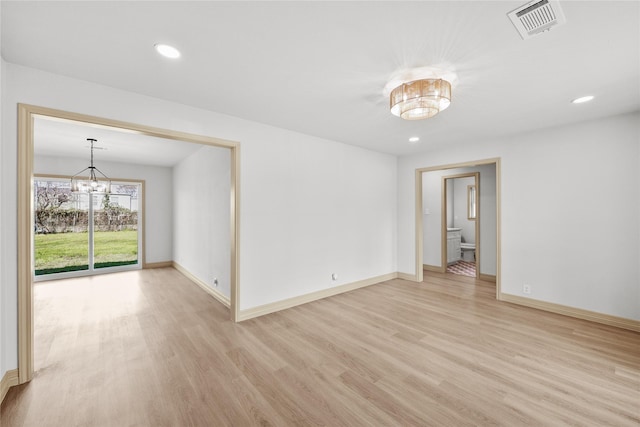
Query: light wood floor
[(148, 348)]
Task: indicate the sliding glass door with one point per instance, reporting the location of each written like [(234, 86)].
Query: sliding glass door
[(115, 225), (61, 228), (85, 233)]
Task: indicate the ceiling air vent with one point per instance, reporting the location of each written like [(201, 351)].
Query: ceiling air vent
[(537, 16)]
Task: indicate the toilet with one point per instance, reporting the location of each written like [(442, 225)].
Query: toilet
[(468, 252)]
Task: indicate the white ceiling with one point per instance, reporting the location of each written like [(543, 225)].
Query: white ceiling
[(320, 67), (66, 138)]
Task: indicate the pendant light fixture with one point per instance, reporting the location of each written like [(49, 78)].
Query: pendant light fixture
[(93, 184)]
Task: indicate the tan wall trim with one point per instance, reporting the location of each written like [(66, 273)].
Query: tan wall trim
[(234, 276), (25, 242), (211, 291), (313, 296), (498, 228), (434, 268), (407, 276), (9, 379), (161, 264), (488, 277), (578, 313), (419, 238)]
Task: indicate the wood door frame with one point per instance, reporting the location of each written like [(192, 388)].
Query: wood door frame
[(26, 116), (419, 266), (443, 234)]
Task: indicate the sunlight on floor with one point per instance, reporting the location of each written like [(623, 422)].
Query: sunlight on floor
[(71, 295)]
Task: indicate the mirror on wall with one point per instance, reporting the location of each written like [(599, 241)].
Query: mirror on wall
[(472, 204)]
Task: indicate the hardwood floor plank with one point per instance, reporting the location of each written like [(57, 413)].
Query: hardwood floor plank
[(150, 348)]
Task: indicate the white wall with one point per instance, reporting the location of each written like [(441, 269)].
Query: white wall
[(202, 216), (432, 221), (309, 207), (158, 196), (432, 225), (569, 229), (317, 207), (437, 193)]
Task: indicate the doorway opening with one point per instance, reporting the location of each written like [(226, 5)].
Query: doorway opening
[(431, 221), (461, 216), (27, 116)]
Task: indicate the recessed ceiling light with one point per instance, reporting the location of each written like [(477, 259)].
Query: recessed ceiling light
[(583, 99), (167, 51), (414, 139)]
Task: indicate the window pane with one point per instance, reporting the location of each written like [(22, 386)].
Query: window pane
[(61, 228), (116, 227)]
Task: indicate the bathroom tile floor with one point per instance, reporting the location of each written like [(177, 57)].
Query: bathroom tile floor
[(464, 268)]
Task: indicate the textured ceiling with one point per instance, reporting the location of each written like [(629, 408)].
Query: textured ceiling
[(320, 67)]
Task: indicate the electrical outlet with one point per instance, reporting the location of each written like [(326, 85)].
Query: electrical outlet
[(334, 277), (526, 289), (215, 282)]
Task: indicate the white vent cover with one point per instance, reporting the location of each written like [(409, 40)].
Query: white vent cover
[(537, 16)]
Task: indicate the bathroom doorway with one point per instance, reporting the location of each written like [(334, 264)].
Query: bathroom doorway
[(460, 217), (431, 222)]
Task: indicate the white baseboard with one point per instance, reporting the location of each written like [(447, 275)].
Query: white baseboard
[(9, 379), (605, 319), (261, 310), (211, 291)]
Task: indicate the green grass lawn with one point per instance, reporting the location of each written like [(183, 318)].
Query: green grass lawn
[(56, 253)]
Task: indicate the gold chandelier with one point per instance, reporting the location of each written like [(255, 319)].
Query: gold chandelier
[(420, 99)]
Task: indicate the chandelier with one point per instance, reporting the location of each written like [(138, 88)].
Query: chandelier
[(420, 99), (93, 184)]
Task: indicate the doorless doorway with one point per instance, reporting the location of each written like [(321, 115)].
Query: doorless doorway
[(422, 212), (460, 232), (26, 118)]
